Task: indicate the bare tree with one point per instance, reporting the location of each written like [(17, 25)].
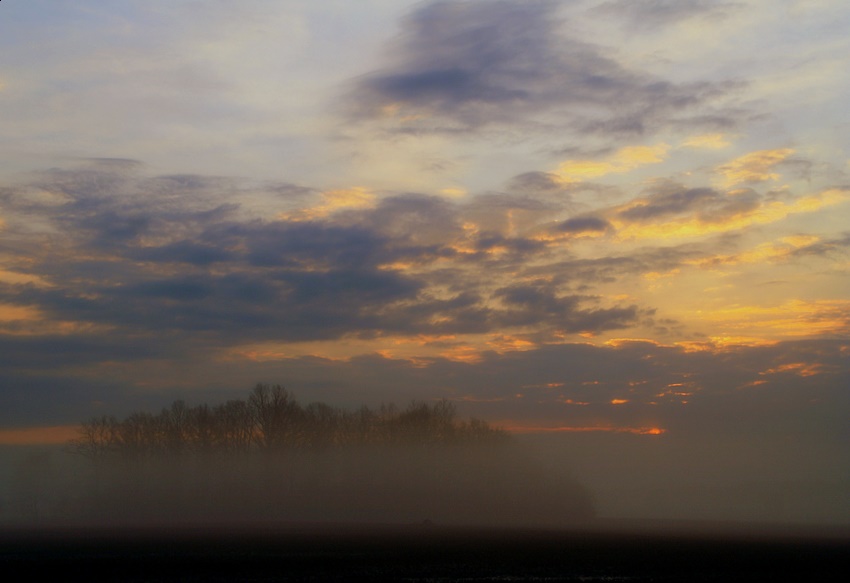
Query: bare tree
[(236, 425), (272, 420), (96, 438), (276, 415)]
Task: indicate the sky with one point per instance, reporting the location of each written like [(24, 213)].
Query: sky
[(580, 216)]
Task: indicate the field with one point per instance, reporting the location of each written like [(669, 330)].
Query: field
[(427, 552)]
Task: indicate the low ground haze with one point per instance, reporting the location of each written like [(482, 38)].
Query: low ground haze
[(269, 460), (619, 477)]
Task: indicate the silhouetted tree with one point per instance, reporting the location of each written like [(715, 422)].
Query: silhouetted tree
[(321, 425), (272, 420), (234, 423), (276, 415), (195, 462), (96, 437)]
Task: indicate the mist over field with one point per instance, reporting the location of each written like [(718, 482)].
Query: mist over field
[(561, 481), (705, 478), (269, 460), (365, 485)]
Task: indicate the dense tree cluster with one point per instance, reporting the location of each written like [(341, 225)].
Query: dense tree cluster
[(272, 420)]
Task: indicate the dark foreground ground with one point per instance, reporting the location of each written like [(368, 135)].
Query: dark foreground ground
[(618, 552)]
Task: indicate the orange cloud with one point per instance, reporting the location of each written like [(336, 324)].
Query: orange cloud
[(14, 277), (583, 429), (553, 385), (30, 321), (505, 343), (467, 354), (723, 342), (573, 402), (38, 435), (617, 342), (752, 384), (802, 369), (12, 313)]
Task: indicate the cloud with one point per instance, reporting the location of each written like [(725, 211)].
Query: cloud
[(650, 13), (785, 388), (813, 246), (109, 271), (462, 66), (707, 141), (667, 198), (624, 160), (510, 216), (537, 183), (754, 167), (673, 211), (169, 255), (783, 250), (790, 319), (185, 251), (527, 305), (335, 201), (609, 268), (415, 218), (586, 224), (683, 390)]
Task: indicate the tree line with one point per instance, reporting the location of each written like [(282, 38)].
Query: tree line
[(271, 419)]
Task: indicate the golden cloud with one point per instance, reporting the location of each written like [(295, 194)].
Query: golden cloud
[(760, 254), (754, 167), (625, 160), (720, 343), (791, 319), (766, 213), (332, 201), (453, 192), (707, 141)]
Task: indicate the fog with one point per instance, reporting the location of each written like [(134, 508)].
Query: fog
[(369, 484), (268, 460), (712, 478), (554, 480)]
